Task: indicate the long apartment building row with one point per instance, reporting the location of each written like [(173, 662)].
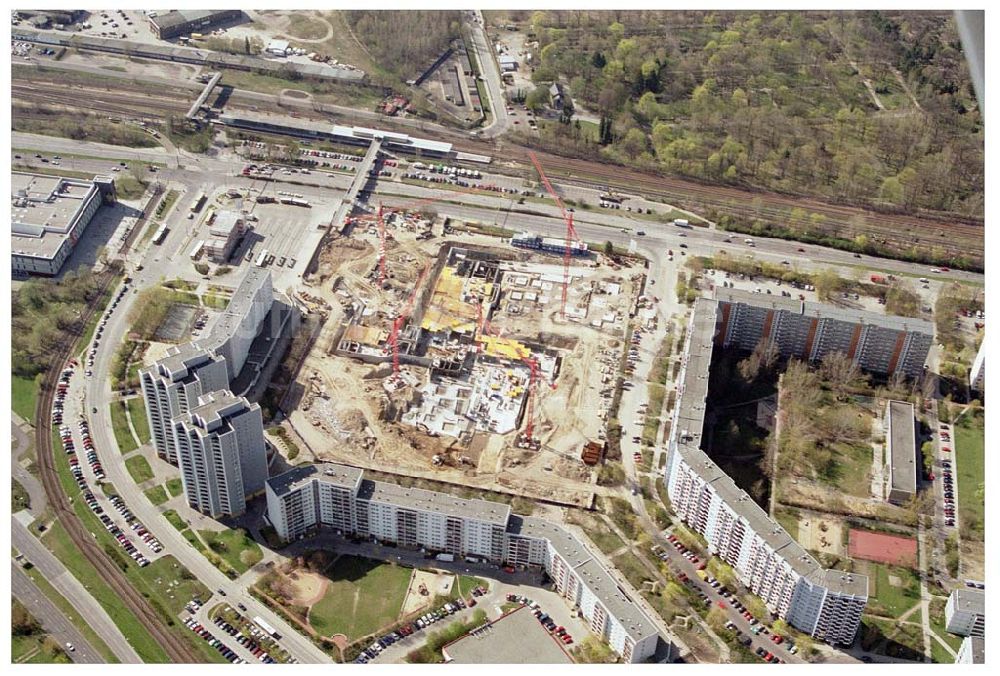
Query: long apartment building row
[(882, 344), (338, 497), (827, 604)]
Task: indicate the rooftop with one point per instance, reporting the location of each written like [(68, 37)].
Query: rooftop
[(43, 211), (177, 17), (691, 406), (239, 304), (977, 646), (329, 473), (902, 446), (594, 575), (514, 638), (825, 311), (180, 359), (431, 501), (968, 600), (225, 222)]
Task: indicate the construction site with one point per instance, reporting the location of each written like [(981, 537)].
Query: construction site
[(451, 355)]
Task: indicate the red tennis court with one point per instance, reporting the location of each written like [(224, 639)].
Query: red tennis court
[(893, 549)]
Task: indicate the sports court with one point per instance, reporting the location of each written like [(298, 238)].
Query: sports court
[(883, 548)]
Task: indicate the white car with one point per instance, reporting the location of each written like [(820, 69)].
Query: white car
[(70, 647)]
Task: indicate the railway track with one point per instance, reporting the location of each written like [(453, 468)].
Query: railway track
[(177, 650), (955, 237)]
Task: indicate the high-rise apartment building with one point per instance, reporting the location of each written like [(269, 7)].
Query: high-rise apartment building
[(965, 612), (234, 332), (172, 385), (221, 453)]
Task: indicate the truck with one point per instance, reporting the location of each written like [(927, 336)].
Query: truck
[(878, 279), (445, 557), (682, 223)]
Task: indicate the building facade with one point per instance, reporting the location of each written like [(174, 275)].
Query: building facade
[(49, 215), (172, 386), (234, 332), (965, 612), (225, 233), (221, 453), (972, 651), (177, 22), (337, 497), (826, 604), (977, 375), (881, 344)]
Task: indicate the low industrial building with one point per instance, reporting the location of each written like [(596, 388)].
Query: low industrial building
[(514, 638), (49, 215), (972, 651), (901, 451), (507, 63), (965, 612), (183, 21), (225, 234), (338, 497)]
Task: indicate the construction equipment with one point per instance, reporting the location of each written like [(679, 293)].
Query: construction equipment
[(381, 245), (571, 236), (528, 438), (400, 320)]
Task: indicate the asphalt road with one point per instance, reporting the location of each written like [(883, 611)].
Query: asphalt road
[(73, 591), (36, 493), (491, 77), (54, 622)]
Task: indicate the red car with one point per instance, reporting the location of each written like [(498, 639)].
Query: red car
[(722, 604), (508, 569)]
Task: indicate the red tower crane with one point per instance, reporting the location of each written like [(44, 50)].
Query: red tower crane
[(571, 236), (400, 320)]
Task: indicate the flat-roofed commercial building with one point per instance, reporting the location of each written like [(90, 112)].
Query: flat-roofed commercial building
[(225, 233), (305, 499), (233, 333), (180, 21), (172, 386), (514, 638), (965, 612), (221, 453), (972, 651), (827, 604), (901, 447), (49, 215)]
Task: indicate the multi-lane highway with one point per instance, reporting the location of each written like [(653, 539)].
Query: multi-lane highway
[(53, 621)]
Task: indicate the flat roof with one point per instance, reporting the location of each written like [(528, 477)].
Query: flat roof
[(976, 645), (970, 600), (691, 407), (180, 359), (225, 222), (825, 311), (902, 446), (515, 638), (44, 210), (591, 572), (239, 304), (431, 501), (329, 473), (177, 17)]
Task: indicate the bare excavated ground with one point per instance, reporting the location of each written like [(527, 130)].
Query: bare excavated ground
[(345, 411)]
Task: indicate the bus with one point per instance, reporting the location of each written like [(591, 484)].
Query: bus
[(196, 251), (160, 235), (261, 259), (199, 203), (268, 629)]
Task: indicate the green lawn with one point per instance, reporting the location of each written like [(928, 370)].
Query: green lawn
[(37, 649), (139, 468), (363, 596), (234, 546), (464, 584), (937, 621), (175, 519), (19, 498), (137, 411), (23, 395), (969, 464), (157, 495), (119, 423), (892, 598), (195, 541), (175, 486)]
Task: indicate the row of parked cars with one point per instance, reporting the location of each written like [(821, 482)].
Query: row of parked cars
[(685, 552), (558, 631), (245, 641), (946, 477), (223, 649), (136, 525), (62, 389), (88, 446), (422, 622), (104, 321)]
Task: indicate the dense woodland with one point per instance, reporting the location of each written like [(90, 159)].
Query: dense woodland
[(774, 100), (404, 43)]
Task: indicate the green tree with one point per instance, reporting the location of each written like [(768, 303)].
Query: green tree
[(537, 99)]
